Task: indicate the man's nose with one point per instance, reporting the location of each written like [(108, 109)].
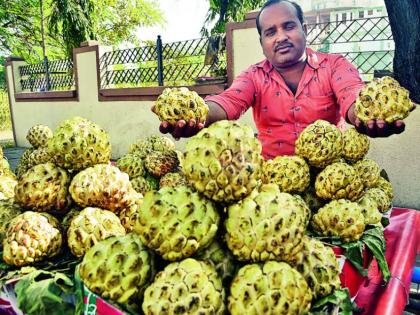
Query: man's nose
[(281, 36)]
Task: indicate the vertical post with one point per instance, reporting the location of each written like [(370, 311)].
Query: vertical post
[(159, 60), (44, 50), (47, 74)]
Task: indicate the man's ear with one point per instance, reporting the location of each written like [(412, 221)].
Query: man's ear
[(260, 40), (305, 28)]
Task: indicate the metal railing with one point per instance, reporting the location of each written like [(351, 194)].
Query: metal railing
[(47, 76)]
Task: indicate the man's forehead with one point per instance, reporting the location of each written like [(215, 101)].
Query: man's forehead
[(282, 12)]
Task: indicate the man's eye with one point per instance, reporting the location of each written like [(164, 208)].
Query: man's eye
[(269, 33), (290, 27)]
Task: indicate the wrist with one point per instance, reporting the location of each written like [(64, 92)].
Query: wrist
[(351, 115)]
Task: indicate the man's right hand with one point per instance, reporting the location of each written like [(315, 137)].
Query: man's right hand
[(181, 129)]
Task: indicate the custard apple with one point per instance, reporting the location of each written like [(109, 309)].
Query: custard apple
[(144, 147), (186, 287), (175, 104), (355, 145), (8, 210), (159, 163), (370, 210), (39, 135), (369, 172), (321, 143), (383, 99), (380, 197), (173, 180), (271, 288), (144, 184), (223, 161), (386, 186), (78, 143), (128, 216), (7, 186), (176, 222)]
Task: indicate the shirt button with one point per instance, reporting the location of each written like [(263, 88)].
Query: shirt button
[(297, 108)]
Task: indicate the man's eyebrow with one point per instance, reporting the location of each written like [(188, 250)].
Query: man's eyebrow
[(271, 28)]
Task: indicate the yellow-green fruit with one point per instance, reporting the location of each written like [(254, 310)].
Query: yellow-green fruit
[(103, 186), (266, 225), (380, 197), (39, 135), (8, 210), (370, 210), (131, 164), (307, 214), (369, 172), (173, 180), (7, 186), (383, 99), (4, 164), (145, 146), (65, 223), (118, 268), (176, 222), (23, 164), (386, 186), (144, 184), (312, 200), (186, 287), (291, 173), (39, 156), (159, 163), (89, 227), (221, 258), (180, 103), (271, 288), (319, 266), (79, 143), (44, 188), (338, 180), (128, 216), (355, 145), (341, 218), (223, 161), (31, 237), (320, 143)]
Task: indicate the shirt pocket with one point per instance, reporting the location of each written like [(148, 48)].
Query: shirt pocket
[(321, 107)]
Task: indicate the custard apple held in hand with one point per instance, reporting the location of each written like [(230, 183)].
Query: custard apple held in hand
[(176, 222), (78, 143), (291, 173), (186, 287), (320, 143), (118, 268), (266, 225), (271, 288), (223, 161), (341, 218), (176, 104), (337, 181), (39, 135), (90, 226), (31, 237), (355, 145), (383, 99)]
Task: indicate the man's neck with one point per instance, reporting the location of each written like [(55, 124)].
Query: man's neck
[(294, 69)]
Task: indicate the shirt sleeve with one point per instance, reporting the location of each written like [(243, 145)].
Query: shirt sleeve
[(346, 83), (238, 97)]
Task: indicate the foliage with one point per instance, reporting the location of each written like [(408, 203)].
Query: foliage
[(224, 11), (5, 120)]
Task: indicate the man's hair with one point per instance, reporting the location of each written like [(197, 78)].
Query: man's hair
[(299, 11)]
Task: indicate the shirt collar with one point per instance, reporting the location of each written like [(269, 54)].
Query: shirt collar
[(314, 60)]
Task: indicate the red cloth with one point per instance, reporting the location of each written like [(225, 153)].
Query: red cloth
[(402, 245), (328, 87)]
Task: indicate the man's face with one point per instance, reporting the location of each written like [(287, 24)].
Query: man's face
[(283, 38)]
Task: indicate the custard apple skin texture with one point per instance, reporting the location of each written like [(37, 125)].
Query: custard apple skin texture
[(291, 173), (159, 163), (380, 197), (370, 210), (8, 210), (143, 147), (176, 222), (78, 143), (45, 187), (39, 135), (132, 164), (266, 225), (175, 104), (118, 268), (223, 161), (355, 145), (90, 226), (383, 99), (31, 237), (320, 143), (337, 181), (386, 186), (186, 287), (271, 288), (369, 172), (341, 218)]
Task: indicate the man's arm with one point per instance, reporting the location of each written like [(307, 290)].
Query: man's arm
[(183, 129)]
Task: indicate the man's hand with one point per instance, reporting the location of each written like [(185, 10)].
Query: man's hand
[(181, 129), (375, 128)]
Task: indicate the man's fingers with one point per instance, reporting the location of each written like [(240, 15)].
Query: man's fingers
[(165, 127), (371, 128), (382, 128), (399, 126), (153, 109), (178, 131), (360, 127)]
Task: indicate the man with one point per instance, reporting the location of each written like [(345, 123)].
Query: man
[(290, 89)]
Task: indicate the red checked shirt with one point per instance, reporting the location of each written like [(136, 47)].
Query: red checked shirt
[(328, 87)]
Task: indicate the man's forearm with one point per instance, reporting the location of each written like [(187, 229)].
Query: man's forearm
[(216, 113)]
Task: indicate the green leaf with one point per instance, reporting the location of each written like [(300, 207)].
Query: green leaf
[(42, 292), (375, 241), (354, 253), (339, 302)]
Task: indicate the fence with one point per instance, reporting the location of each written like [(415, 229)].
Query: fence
[(366, 42)]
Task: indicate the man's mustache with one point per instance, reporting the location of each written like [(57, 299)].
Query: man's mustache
[(282, 45)]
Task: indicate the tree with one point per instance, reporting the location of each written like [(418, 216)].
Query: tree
[(224, 11), (404, 17)]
